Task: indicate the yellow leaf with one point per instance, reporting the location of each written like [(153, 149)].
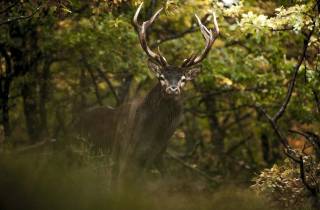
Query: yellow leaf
[(222, 80)]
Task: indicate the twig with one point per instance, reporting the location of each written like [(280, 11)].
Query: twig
[(193, 150), (282, 139), (9, 20), (237, 145), (312, 138), (106, 79), (313, 190), (217, 92), (282, 29), (96, 89), (93, 79), (317, 100), (199, 172), (34, 146), (170, 37), (299, 133), (293, 80), (245, 116), (236, 42)]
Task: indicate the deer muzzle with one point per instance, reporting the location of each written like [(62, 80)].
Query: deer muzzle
[(173, 90)]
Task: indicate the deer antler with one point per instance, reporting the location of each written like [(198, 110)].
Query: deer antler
[(142, 31), (210, 36)]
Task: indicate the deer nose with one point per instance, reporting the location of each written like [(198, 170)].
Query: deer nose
[(173, 89)]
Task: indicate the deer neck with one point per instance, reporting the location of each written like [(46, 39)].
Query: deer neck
[(158, 99)]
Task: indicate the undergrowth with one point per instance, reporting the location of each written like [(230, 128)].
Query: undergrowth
[(77, 179)]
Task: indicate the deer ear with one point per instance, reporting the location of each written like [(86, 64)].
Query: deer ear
[(154, 67), (192, 72)]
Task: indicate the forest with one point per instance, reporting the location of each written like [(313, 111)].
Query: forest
[(159, 104)]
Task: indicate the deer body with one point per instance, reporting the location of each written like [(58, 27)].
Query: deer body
[(156, 120), (139, 131)]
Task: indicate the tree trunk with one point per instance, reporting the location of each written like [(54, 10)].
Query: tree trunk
[(123, 90), (5, 82), (5, 109), (44, 92), (25, 59), (192, 135), (217, 133), (31, 110), (265, 146)]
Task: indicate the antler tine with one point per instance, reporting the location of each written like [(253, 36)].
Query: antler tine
[(215, 23), (189, 60), (209, 36), (135, 18), (142, 31)]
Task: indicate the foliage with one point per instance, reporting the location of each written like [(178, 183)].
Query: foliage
[(283, 186)]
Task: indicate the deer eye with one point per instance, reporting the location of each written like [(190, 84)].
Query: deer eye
[(161, 77), (183, 79)]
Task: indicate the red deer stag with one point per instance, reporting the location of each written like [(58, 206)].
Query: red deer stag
[(141, 129)]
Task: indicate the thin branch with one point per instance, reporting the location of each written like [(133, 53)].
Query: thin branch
[(96, 89), (299, 133), (231, 43), (244, 117), (312, 138), (303, 178), (317, 100), (178, 35), (12, 19), (293, 80), (274, 126), (93, 79), (282, 29), (217, 92), (106, 79), (40, 144), (237, 145), (193, 150), (287, 149), (200, 113), (197, 171)]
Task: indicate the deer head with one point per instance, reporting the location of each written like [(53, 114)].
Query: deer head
[(173, 78)]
